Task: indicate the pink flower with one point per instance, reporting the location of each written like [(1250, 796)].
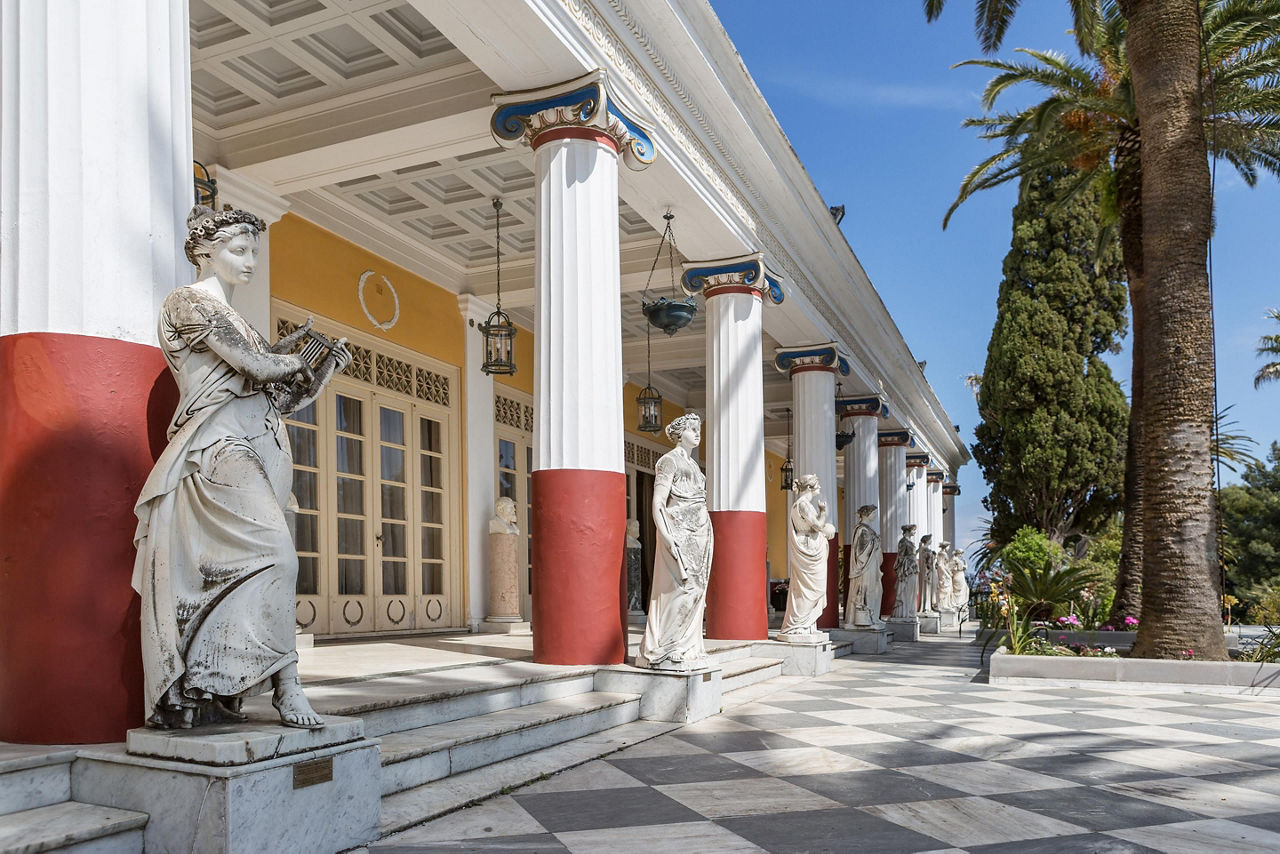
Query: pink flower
[(1130, 622)]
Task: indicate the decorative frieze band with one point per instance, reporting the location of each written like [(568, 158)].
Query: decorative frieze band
[(642, 456), (512, 413)]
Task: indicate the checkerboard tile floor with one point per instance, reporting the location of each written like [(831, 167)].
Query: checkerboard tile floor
[(911, 752)]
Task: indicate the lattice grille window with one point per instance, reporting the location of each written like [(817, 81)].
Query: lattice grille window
[(512, 413), (390, 373), (641, 456), (432, 387), (393, 374)]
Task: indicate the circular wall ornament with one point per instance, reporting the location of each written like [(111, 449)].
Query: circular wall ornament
[(404, 612), (434, 605), (314, 614), (359, 606), (395, 316)]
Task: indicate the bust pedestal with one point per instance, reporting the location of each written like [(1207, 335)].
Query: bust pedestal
[(504, 585), (253, 786), (904, 629)]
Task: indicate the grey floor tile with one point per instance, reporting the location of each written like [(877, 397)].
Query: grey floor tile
[(1080, 720), (863, 788), (557, 811), (1094, 809), (895, 754), (922, 730), (783, 720), (1085, 768), (540, 843), (1090, 843), (817, 704), (1266, 821), (828, 832), (1259, 781), (1239, 730), (1217, 712), (696, 768), (1243, 751), (1083, 742), (737, 742)]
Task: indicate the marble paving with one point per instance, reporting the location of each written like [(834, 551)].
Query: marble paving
[(910, 752)]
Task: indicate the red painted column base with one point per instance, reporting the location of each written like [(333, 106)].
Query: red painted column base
[(579, 528), (738, 592), (889, 582), (830, 616), (82, 420)]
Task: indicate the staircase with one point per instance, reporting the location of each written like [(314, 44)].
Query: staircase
[(37, 813)]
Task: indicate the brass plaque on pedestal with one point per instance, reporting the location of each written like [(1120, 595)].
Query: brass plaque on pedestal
[(313, 771)]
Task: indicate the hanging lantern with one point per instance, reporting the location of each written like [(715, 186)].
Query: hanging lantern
[(843, 437), (788, 467), (668, 314), (206, 188), (649, 400), (498, 330)]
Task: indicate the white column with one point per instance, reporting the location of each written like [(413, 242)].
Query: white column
[(253, 301), (95, 165), (577, 389), (735, 402), (478, 421), (577, 132), (916, 501), (861, 466), (934, 499), (737, 606), (893, 494), (949, 493)]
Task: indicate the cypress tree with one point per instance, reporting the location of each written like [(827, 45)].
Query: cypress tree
[(1052, 437)]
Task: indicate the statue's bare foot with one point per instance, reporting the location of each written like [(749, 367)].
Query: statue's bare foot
[(293, 706)]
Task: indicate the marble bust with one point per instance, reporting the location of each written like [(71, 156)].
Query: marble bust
[(682, 561), (908, 570), (807, 548), (863, 585), (216, 567), (504, 517)]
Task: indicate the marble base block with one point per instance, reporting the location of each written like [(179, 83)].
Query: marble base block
[(325, 797), (948, 621), (506, 627), (929, 624), (666, 695), (866, 640), (799, 658), (504, 577), (905, 630)]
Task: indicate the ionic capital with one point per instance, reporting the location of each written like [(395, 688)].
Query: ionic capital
[(821, 357), (584, 108), (897, 438), (950, 489), (850, 407), (743, 274), (922, 461)]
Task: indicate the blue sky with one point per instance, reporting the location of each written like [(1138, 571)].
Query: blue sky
[(867, 96)]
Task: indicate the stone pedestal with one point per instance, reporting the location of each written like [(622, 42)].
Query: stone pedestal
[(504, 578), (948, 620), (904, 630), (799, 658), (256, 786), (866, 640), (928, 624), (682, 696)]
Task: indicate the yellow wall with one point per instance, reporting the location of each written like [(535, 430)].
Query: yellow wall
[(775, 504), (316, 270)]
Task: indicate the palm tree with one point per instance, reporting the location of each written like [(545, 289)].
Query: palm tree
[(1136, 123), (1269, 345)]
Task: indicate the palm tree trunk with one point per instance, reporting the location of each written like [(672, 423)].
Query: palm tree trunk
[(1128, 598), (1180, 578)]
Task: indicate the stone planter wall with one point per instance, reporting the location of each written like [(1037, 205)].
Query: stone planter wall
[(1236, 677), (1119, 640)]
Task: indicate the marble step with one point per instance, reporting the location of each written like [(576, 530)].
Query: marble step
[(421, 755), (72, 826), (740, 672), (409, 701), (32, 777), (731, 652), (431, 800)]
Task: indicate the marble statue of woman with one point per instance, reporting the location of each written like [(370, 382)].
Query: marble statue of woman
[(959, 581), (682, 565), (862, 603), (807, 546), (908, 570), (943, 562), (216, 566), (926, 559)]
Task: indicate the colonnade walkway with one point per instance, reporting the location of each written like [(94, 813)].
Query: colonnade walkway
[(910, 751)]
